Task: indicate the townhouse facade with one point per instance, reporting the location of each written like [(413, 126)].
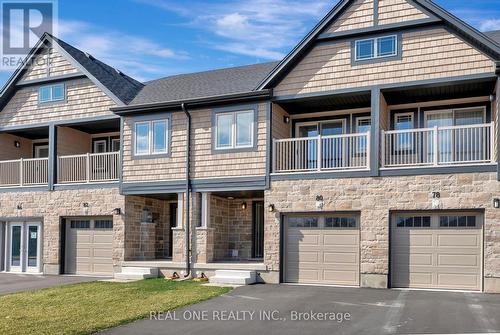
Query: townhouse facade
[(367, 157)]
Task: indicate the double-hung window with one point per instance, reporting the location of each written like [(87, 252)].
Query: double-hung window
[(373, 48), (51, 93), (151, 137), (234, 130)]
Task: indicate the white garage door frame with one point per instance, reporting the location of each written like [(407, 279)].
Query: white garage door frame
[(436, 226), (80, 224), (321, 216)]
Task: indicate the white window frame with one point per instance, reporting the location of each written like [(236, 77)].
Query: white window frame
[(96, 143), (361, 118), (150, 124), (404, 114), (51, 93), (319, 124), (453, 110), (375, 48), (233, 136), (113, 141)]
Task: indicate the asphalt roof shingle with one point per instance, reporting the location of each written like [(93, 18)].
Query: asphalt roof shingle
[(494, 35), (204, 84), (122, 86)]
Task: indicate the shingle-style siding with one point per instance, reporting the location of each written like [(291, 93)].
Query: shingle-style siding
[(83, 100), (358, 15), (395, 11), (427, 54), (494, 118), (72, 142), (280, 128), (58, 66), (207, 164), (156, 169)]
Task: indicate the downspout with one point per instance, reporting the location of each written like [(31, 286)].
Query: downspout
[(188, 190)]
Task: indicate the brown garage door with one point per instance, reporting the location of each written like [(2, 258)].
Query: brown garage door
[(89, 246), (322, 250), (437, 251)]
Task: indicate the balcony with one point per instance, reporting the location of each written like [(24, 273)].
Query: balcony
[(438, 146), (24, 172), (88, 168), (346, 152)]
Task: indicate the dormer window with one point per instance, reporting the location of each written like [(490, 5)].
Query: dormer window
[(376, 48), (51, 93)]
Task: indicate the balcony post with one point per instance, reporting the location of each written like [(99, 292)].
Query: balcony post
[(274, 156), (436, 144), (52, 178), (492, 142), (368, 149), (382, 149), (319, 154), (377, 100)]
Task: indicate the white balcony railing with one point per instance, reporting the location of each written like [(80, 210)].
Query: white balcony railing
[(24, 172), (88, 168), (322, 153), (438, 146)]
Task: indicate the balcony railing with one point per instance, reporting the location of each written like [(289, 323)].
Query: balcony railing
[(322, 153), (438, 146), (24, 172), (88, 168)]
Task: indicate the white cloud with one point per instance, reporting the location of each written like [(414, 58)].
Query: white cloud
[(489, 25), (258, 28)]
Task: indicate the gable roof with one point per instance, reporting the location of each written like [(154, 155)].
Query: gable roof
[(494, 35), (212, 83), (473, 36), (118, 86)]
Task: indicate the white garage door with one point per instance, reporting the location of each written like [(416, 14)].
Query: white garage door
[(322, 250), (89, 246), (437, 251)]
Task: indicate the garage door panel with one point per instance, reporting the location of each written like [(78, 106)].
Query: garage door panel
[(340, 277), (436, 257), (304, 257), (340, 258), (331, 239), (88, 250)]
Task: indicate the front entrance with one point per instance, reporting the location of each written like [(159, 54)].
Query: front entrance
[(23, 241), (258, 229)]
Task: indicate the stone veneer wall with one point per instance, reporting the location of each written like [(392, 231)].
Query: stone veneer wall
[(240, 228), (374, 198), (146, 240), (51, 206)]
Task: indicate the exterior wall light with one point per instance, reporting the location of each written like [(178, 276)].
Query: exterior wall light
[(286, 119), (117, 211), (19, 207), (270, 208), (244, 206), (85, 205), (496, 203), (17, 144)]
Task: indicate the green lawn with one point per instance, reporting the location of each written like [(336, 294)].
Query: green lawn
[(89, 307)]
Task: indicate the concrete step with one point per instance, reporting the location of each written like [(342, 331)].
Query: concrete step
[(136, 273), (234, 277)]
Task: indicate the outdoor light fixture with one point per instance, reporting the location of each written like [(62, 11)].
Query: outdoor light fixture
[(286, 119), (270, 209), (17, 144), (117, 211), (492, 97), (244, 205), (85, 205), (496, 203), (230, 198), (19, 207), (147, 216)]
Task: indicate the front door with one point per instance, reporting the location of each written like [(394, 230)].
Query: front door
[(258, 230), (41, 151), (24, 247)]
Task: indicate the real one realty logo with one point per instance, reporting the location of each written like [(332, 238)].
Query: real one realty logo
[(23, 24)]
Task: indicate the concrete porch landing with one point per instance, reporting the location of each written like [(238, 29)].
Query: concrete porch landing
[(166, 264)]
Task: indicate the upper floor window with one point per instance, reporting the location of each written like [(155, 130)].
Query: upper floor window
[(151, 137), (234, 130), (51, 93), (374, 48)]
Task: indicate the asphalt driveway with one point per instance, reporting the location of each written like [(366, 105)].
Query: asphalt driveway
[(275, 309), (10, 282)]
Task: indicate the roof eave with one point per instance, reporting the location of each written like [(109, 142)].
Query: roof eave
[(196, 102)]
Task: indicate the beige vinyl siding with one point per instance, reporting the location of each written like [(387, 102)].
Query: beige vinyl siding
[(427, 54), (280, 128), (156, 169), (58, 66), (208, 164), (83, 99), (72, 142), (10, 152), (395, 11), (358, 15)]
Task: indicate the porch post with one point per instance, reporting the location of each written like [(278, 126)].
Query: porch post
[(178, 235), (204, 236), (52, 178), (375, 132)]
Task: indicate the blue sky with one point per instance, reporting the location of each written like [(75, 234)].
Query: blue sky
[(148, 39)]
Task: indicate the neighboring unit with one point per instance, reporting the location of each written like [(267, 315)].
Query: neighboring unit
[(367, 157)]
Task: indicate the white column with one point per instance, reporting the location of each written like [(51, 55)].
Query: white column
[(205, 210), (180, 210)]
